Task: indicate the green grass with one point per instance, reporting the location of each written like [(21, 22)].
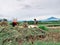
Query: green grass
[(35, 43), (41, 43)]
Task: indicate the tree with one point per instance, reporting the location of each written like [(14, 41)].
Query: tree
[(0, 20), (5, 19)]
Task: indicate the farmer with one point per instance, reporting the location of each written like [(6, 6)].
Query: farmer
[(35, 21), (14, 23)]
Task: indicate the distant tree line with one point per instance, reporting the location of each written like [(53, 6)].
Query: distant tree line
[(3, 20)]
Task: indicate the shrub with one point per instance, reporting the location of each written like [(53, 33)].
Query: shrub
[(43, 27)]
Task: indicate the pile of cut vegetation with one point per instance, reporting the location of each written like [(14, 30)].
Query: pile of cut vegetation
[(15, 36)]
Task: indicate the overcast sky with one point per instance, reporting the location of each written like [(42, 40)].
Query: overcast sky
[(29, 9)]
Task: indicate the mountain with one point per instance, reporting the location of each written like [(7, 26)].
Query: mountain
[(51, 19)]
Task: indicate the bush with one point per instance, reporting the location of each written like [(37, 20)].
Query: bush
[(43, 27)]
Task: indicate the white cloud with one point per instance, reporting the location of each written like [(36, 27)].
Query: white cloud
[(29, 9)]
